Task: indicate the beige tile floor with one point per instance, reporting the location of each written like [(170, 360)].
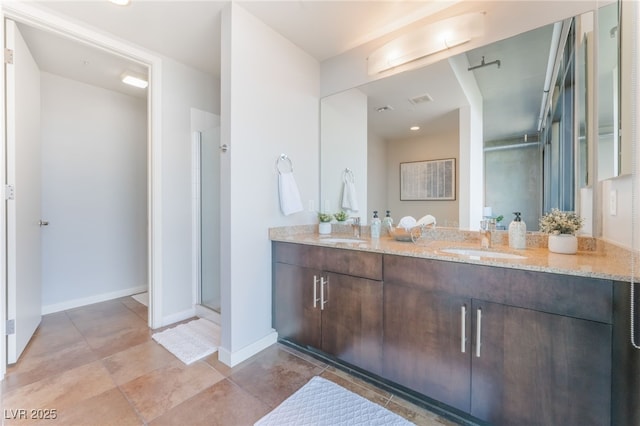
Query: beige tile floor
[(97, 365)]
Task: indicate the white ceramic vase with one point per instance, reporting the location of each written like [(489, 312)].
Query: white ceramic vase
[(324, 228), (563, 243)]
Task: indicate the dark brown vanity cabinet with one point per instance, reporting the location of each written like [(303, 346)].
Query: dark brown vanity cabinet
[(507, 346), (330, 299)]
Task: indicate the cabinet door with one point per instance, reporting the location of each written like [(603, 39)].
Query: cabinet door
[(536, 368), (426, 343), (295, 318), (352, 320)]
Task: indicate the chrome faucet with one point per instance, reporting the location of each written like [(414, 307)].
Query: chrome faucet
[(486, 227), (355, 224)]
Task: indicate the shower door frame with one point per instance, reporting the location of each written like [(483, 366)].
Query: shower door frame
[(200, 309)]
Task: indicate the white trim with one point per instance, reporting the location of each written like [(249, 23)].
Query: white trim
[(234, 358), (76, 303), (154, 174), (196, 233), (34, 16), (177, 317), (3, 224)]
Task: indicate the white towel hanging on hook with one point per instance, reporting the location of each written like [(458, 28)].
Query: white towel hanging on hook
[(290, 201), (349, 194)]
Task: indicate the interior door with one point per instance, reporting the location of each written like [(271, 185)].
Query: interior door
[(24, 289)]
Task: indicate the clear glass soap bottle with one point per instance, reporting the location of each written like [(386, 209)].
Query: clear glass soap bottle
[(376, 224), (387, 222)]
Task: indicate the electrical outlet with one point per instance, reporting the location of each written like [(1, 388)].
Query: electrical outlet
[(613, 202)]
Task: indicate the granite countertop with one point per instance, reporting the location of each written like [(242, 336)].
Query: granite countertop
[(595, 258)]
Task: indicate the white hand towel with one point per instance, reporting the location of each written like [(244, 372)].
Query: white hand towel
[(407, 223), (289, 195), (349, 197)]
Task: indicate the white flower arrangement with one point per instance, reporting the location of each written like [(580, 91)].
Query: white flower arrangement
[(559, 222)]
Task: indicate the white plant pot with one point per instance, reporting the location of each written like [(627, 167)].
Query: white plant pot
[(563, 243), (324, 228)]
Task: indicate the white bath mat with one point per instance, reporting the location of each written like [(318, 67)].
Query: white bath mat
[(190, 341), (142, 298), (321, 402)]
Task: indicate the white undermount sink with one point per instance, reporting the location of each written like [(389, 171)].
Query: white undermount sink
[(342, 240), (476, 253)]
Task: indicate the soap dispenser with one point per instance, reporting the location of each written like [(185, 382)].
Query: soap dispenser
[(376, 224), (387, 222), (517, 233)]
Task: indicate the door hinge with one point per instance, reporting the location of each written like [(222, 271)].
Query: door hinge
[(8, 55), (9, 192), (10, 327)]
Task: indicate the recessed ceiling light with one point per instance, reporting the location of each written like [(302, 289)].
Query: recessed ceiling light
[(120, 2), (384, 108), (134, 80), (414, 128)]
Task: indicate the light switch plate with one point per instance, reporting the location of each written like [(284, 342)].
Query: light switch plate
[(613, 202)]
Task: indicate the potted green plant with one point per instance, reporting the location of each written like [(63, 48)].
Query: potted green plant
[(324, 227), (561, 227), (341, 216)]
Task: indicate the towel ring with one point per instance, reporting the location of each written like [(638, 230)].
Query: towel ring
[(283, 158), (348, 176)]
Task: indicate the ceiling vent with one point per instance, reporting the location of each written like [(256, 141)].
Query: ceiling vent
[(421, 99)]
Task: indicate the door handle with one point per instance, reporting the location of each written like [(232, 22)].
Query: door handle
[(463, 331), (43, 223), (479, 332)]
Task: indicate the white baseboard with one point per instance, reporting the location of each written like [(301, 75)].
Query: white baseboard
[(232, 359), (76, 303), (178, 316)]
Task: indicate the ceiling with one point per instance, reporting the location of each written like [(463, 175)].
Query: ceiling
[(189, 32)]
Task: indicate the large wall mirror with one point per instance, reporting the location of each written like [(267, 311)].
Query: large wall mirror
[(536, 118)]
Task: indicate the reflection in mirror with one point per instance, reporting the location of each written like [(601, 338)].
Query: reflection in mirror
[(609, 153), (528, 86)]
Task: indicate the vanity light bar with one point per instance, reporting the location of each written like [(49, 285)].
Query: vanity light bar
[(426, 41)]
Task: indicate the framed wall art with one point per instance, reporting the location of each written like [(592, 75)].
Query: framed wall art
[(430, 180)]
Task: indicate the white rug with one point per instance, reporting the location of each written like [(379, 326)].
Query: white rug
[(190, 341), (324, 403), (142, 298)]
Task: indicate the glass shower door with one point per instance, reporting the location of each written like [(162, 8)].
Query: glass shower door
[(210, 219)]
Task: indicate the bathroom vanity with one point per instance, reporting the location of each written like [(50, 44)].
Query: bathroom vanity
[(527, 341)]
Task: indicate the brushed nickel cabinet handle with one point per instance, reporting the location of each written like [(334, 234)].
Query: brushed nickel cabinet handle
[(463, 333), (323, 301), (315, 291), (479, 332)]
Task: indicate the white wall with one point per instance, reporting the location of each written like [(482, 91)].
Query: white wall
[(183, 88), (440, 141), (94, 186), (616, 228), (471, 147), (377, 175), (343, 121), (270, 105)]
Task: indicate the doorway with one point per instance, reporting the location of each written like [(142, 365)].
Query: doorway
[(151, 208)]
